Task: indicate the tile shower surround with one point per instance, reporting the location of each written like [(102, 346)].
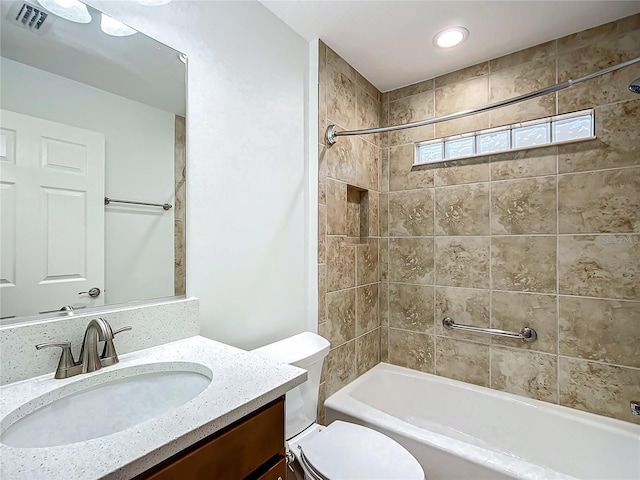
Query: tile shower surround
[(348, 216), (548, 238)]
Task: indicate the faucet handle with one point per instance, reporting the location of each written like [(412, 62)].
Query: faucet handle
[(123, 329), (66, 361), (109, 355)]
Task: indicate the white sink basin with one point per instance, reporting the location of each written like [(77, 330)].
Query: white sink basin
[(112, 405)]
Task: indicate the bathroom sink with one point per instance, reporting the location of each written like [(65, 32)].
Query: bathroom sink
[(112, 405)]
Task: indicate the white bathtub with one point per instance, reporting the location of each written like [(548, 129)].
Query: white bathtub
[(461, 431)]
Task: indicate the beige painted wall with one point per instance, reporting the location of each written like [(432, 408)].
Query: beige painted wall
[(548, 238), (240, 53)]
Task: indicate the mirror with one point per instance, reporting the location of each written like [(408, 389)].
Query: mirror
[(85, 116)]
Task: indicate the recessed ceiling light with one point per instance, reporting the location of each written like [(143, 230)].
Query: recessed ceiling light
[(450, 37), (113, 27), (72, 10)]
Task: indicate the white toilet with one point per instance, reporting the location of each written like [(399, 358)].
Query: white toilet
[(341, 451)]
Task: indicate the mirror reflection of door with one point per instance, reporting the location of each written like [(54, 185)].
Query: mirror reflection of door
[(132, 90), (52, 224)]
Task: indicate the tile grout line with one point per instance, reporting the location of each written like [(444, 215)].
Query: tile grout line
[(600, 362), (356, 120), (326, 228), (326, 225), (557, 266), (388, 269), (322, 106), (516, 292), (555, 174), (435, 275), (489, 75), (506, 235), (385, 140), (387, 286), (490, 259), (355, 308)]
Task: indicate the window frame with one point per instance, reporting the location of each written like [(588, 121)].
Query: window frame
[(512, 129)]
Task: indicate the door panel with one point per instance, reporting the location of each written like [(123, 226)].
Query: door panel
[(65, 234), (7, 146), (54, 175), (8, 234), (65, 156)]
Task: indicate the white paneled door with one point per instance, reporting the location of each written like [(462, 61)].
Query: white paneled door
[(52, 207)]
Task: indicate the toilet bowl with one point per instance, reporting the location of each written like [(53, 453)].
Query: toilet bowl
[(341, 450), (346, 451)]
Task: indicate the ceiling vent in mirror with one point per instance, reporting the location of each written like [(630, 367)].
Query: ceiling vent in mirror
[(30, 17)]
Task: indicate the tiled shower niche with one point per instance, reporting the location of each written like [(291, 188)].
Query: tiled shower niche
[(357, 214)]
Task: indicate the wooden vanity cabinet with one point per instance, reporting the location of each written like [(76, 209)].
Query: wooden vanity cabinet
[(251, 448), (276, 472)]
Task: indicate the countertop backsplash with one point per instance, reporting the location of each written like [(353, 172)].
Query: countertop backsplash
[(153, 324)]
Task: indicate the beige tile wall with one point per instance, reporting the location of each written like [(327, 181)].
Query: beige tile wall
[(180, 163), (548, 238), (348, 225)]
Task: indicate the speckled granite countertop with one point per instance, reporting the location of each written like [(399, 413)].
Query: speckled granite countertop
[(242, 383)]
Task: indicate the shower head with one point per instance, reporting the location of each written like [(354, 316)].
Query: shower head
[(635, 86)]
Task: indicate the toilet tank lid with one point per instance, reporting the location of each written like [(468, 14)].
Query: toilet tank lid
[(301, 350)]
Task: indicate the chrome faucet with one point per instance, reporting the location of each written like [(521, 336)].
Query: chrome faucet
[(89, 360), (98, 329)]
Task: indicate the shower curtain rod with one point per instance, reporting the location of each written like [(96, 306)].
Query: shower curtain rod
[(331, 132)]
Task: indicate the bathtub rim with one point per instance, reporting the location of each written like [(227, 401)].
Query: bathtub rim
[(343, 402)]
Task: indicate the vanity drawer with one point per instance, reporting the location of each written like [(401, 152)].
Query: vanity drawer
[(277, 472), (234, 453)]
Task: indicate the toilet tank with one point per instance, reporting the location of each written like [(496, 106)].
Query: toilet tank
[(305, 350)]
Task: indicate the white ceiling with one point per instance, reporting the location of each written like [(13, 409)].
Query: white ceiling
[(136, 67), (390, 42)]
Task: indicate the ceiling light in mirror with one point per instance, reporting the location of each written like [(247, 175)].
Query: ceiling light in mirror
[(113, 27), (72, 10), (450, 37)]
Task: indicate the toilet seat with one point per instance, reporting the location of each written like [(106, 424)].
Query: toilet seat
[(345, 451)]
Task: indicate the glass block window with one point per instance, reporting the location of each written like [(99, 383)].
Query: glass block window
[(570, 127), (492, 142), (459, 147), (573, 128), (531, 135), (432, 153)]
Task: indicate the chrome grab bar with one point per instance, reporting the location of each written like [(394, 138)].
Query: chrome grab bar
[(165, 206), (527, 334)]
